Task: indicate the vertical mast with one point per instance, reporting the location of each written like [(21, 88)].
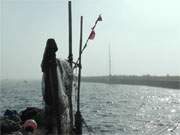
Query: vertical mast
[(78, 117), (109, 63), (70, 34), (70, 62), (79, 75)]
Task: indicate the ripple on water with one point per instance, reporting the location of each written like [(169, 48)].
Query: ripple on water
[(107, 109)]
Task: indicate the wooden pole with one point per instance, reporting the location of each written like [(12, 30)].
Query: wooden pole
[(70, 34), (79, 75), (70, 62), (78, 122)]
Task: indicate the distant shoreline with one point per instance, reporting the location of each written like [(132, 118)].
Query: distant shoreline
[(147, 80), (172, 82)]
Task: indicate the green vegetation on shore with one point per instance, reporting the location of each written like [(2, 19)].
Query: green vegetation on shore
[(148, 80)]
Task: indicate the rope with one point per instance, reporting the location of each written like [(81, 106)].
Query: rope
[(173, 129), (90, 130), (164, 129)]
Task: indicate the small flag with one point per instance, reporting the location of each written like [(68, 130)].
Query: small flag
[(92, 35), (99, 18)]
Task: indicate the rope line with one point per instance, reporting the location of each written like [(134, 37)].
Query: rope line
[(164, 129), (90, 130)]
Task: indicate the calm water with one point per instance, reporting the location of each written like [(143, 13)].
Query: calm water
[(109, 109)]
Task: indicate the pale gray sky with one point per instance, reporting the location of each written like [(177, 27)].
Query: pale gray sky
[(144, 35)]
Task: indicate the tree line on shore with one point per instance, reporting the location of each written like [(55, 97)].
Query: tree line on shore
[(149, 80)]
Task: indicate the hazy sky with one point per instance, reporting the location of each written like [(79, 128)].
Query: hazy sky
[(144, 35)]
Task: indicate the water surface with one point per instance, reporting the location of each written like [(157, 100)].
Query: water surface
[(109, 109)]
